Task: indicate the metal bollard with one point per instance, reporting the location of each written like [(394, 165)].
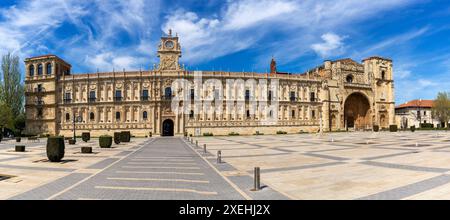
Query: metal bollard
[(219, 157), (196, 143), (204, 148), (257, 179)]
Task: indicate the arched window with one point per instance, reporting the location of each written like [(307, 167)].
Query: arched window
[(271, 114), (31, 70), (349, 79), (117, 116), (49, 68), (40, 69), (191, 115), (383, 75), (145, 115), (67, 117), (92, 116), (168, 93)]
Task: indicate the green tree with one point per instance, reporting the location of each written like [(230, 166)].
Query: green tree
[(11, 87), (441, 107), (19, 124), (6, 116)]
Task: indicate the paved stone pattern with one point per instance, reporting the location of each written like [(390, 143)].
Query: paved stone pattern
[(166, 169), (355, 165)]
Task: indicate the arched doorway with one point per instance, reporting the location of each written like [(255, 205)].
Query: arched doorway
[(167, 128), (356, 112)]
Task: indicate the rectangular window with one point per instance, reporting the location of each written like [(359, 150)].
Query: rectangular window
[(145, 95), (67, 97), (424, 113), (247, 95), (192, 94), (118, 96), (292, 96), (117, 116), (293, 113), (92, 97), (313, 114), (269, 97), (39, 88), (418, 113), (312, 97)]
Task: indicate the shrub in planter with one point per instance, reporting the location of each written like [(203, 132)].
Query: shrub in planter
[(281, 132), (55, 148), (86, 136), (208, 134), (412, 128), (72, 142), (233, 134), (393, 128), (151, 134), (125, 136), (105, 141), (1, 136), (20, 148), (18, 139), (376, 128), (86, 150), (117, 137)]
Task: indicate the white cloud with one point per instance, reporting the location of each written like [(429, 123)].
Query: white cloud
[(332, 45), (298, 25)]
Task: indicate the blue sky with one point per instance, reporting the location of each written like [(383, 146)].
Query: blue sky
[(238, 35)]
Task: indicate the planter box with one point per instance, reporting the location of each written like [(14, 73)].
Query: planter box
[(86, 150), (20, 148)]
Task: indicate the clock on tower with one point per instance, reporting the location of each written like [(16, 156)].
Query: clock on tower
[(169, 53)]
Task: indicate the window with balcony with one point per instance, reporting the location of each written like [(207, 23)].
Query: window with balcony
[(92, 97), (292, 97), (312, 96), (67, 97), (247, 95), (118, 96), (31, 69), (144, 95)]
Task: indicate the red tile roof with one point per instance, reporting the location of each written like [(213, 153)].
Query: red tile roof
[(416, 103)]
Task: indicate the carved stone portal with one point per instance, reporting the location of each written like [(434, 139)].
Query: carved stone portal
[(357, 112)]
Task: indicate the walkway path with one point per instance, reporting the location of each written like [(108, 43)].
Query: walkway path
[(161, 168)]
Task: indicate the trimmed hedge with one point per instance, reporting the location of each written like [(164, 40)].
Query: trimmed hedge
[(233, 134), (426, 125), (117, 137), (105, 141), (376, 128), (208, 134), (393, 128), (86, 136), (55, 148), (412, 128), (281, 132), (72, 142), (125, 136), (18, 139)]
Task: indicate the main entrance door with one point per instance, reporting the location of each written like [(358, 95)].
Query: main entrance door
[(167, 128), (357, 115)]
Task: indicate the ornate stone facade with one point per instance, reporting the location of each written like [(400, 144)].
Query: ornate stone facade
[(338, 95)]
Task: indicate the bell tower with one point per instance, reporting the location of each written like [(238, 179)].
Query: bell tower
[(169, 53)]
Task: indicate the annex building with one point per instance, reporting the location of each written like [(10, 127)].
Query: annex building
[(337, 95)]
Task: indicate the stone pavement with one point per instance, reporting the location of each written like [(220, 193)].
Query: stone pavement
[(160, 168), (356, 165)]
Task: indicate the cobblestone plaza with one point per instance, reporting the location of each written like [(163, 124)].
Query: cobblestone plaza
[(356, 165)]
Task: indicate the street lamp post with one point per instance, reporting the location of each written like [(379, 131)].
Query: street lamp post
[(78, 119)]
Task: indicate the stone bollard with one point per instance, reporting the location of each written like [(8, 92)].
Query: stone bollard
[(257, 179), (219, 157)]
